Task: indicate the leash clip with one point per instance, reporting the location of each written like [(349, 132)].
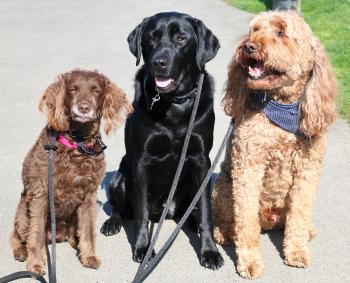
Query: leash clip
[(154, 100)]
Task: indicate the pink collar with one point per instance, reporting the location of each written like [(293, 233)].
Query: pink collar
[(74, 145)]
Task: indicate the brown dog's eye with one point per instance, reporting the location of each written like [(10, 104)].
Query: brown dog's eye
[(280, 33)]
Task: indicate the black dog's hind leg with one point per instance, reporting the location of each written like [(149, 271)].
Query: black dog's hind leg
[(209, 254), (117, 195)]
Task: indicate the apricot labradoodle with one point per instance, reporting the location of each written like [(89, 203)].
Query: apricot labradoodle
[(281, 92)]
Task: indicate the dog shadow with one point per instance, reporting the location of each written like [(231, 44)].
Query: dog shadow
[(276, 237), (107, 207)]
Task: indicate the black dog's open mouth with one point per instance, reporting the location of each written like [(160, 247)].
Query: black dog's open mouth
[(257, 70), (167, 84)]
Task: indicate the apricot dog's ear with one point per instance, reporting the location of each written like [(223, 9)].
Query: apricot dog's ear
[(236, 90), (318, 103), (115, 106), (52, 103)]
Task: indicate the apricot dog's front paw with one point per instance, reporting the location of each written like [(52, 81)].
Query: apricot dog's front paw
[(298, 257), (250, 265)]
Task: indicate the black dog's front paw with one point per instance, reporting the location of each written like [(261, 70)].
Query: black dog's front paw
[(211, 259), (139, 254), (110, 227)]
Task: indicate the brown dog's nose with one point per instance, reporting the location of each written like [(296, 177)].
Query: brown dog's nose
[(250, 47), (84, 107)]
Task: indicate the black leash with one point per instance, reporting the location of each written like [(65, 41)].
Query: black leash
[(52, 149), (51, 263), (147, 266), (176, 178)]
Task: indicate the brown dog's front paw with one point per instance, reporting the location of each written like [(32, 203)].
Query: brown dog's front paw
[(91, 262), (250, 265), (298, 257), (20, 254), (37, 268)]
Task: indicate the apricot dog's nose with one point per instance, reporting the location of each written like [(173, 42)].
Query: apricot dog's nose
[(250, 47)]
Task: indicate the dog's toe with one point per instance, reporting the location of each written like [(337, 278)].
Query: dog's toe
[(211, 259), (91, 262), (139, 254), (251, 270), (20, 254), (299, 257), (110, 227), (37, 268)]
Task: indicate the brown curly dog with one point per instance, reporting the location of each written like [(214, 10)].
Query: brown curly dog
[(270, 175), (75, 104)]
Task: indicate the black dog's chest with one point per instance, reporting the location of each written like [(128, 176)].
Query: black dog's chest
[(164, 146)]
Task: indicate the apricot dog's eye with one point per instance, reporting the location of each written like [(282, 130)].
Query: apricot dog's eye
[(280, 33)]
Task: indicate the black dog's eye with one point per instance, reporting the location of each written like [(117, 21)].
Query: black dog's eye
[(280, 33), (149, 37), (180, 38)]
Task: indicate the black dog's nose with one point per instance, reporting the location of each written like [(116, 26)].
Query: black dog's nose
[(250, 47), (84, 107), (160, 62)]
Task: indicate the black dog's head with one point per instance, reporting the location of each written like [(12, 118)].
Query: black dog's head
[(174, 47)]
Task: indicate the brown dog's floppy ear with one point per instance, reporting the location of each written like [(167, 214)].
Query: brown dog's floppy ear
[(134, 40), (207, 43), (318, 103), (52, 102), (115, 106), (236, 90)]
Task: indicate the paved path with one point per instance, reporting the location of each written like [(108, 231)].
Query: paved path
[(40, 39)]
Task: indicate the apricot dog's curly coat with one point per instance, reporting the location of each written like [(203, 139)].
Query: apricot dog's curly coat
[(270, 176), (75, 101)]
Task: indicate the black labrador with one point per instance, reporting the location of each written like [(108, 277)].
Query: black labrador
[(175, 48)]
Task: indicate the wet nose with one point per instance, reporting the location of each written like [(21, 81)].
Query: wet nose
[(160, 62), (250, 47), (84, 107)]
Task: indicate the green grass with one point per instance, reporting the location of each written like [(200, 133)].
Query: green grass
[(330, 20)]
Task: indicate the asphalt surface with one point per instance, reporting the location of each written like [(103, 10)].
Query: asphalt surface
[(41, 39)]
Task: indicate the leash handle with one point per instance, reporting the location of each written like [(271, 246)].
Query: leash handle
[(176, 178), (21, 275)]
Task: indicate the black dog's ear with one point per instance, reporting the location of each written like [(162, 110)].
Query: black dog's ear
[(134, 40), (208, 44)]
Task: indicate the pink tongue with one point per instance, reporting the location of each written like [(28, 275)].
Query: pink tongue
[(162, 82), (256, 71)]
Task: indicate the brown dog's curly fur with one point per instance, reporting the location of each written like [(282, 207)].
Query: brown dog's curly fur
[(77, 175), (270, 176)]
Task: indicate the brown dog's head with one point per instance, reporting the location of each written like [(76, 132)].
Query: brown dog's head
[(84, 97), (281, 55)]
